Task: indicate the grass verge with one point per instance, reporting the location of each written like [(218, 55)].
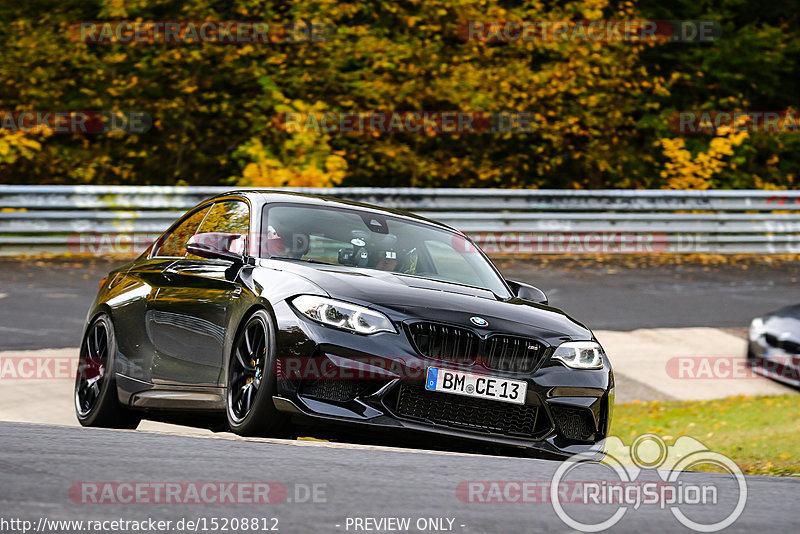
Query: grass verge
[(760, 434)]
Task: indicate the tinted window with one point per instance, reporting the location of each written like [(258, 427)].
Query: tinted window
[(229, 216), (324, 249), (174, 243), (446, 259), (368, 240)]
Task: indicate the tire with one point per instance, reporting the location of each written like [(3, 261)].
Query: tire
[(95, 395), (751, 359), (251, 381)]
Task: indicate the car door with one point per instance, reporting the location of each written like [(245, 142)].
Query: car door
[(138, 287), (188, 316)]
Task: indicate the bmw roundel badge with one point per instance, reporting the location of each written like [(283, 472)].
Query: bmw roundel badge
[(479, 321)]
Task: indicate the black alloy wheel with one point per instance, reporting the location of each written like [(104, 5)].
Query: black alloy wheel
[(251, 380), (96, 402)]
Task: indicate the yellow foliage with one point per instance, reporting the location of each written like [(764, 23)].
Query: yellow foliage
[(311, 169), (15, 145), (303, 159), (273, 173), (684, 171)]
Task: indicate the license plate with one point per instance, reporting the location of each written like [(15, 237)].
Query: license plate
[(471, 385)]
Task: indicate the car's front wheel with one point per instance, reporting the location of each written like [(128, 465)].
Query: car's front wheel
[(96, 402), (252, 382)]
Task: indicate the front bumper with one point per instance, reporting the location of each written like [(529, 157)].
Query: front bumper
[(378, 381), (773, 361)]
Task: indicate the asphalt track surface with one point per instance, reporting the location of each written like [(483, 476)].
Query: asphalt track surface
[(43, 303), (39, 465)]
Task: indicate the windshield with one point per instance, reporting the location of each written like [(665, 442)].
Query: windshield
[(366, 240)]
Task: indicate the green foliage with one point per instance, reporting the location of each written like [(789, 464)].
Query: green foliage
[(601, 108)]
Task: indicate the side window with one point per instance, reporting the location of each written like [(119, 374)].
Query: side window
[(174, 243), (228, 216)]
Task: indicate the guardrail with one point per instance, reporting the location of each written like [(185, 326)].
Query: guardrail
[(35, 219)]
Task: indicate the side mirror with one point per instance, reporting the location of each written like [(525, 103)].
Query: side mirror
[(217, 246), (527, 292)]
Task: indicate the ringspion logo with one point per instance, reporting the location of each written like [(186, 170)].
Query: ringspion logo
[(649, 451)]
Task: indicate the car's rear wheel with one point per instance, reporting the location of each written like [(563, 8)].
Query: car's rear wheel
[(252, 382), (96, 402)]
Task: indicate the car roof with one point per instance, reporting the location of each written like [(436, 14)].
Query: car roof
[(267, 196)]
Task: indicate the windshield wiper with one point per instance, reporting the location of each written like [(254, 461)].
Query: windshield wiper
[(307, 260)]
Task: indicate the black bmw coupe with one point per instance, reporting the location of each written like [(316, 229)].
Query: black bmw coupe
[(267, 309)]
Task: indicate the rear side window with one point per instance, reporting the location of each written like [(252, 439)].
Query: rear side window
[(173, 244), (228, 216)]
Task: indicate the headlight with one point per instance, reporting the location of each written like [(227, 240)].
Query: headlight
[(343, 315), (756, 328), (580, 354)]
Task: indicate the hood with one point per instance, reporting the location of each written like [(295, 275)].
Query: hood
[(788, 311), (784, 323), (409, 298)]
